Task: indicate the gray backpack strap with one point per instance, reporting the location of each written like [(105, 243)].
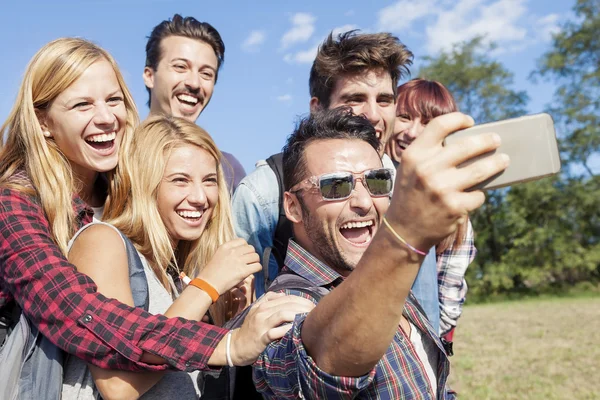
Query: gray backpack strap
[(283, 230), (292, 281), (137, 276)]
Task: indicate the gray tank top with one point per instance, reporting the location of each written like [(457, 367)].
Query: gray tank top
[(78, 383)]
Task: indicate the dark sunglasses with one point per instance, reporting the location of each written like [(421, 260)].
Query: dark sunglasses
[(339, 185)]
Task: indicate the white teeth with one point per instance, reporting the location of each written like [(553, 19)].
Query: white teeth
[(187, 98), (402, 143), (103, 137), (189, 214), (361, 224)]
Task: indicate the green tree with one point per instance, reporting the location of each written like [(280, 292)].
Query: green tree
[(574, 64), (482, 89), (538, 236), (480, 84)]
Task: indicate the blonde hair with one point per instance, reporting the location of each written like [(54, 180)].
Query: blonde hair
[(54, 68), (133, 206)]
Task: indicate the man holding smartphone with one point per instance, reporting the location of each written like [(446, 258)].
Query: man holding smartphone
[(359, 255), (360, 71)]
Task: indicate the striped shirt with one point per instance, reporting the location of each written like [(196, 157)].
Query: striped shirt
[(285, 371)]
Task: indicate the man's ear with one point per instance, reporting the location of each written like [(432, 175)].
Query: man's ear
[(148, 76), (314, 105), (292, 207)]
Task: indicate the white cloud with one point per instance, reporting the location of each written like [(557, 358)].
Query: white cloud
[(308, 56), (343, 29), (506, 22), (498, 22), (253, 41), (303, 56), (401, 15), (303, 26), (284, 98), (547, 26)]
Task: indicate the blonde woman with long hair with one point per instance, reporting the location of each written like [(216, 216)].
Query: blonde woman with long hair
[(62, 139), (173, 204)]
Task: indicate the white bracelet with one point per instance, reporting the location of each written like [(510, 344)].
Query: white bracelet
[(228, 350)]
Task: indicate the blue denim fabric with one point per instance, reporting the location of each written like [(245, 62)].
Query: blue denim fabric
[(255, 206), (425, 289)]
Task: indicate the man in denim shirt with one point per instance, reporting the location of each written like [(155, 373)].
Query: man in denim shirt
[(360, 71)]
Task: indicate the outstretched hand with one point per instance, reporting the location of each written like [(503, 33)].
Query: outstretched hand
[(430, 197), (263, 324)]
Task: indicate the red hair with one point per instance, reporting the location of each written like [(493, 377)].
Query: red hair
[(427, 100), (424, 99)]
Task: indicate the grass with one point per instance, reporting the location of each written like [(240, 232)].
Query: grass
[(525, 350)]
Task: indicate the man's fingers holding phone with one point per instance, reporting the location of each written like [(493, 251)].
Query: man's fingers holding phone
[(438, 128)]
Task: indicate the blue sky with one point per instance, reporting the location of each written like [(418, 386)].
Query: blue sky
[(263, 86)]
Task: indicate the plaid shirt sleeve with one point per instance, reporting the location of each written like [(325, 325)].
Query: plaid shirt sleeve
[(285, 371), (452, 265), (68, 310)]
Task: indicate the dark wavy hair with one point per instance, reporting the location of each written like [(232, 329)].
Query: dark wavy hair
[(353, 53), (337, 123), (188, 27)]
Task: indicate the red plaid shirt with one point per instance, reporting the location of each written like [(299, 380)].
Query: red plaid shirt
[(67, 308)]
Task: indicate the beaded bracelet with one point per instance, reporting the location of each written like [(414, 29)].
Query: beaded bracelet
[(387, 224)]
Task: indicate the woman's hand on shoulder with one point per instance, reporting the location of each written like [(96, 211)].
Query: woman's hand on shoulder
[(268, 320)]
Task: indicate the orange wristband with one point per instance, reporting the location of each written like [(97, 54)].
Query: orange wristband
[(207, 287)]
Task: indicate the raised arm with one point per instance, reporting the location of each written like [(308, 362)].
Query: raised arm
[(429, 201)]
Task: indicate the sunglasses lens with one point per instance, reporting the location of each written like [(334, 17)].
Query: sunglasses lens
[(336, 186), (379, 181)]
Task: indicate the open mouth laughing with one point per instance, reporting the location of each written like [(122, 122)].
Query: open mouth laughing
[(103, 142), (190, 215), (189, 101), (402, 144), (358, 233)]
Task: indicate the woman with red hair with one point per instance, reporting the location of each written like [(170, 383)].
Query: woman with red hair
[(418, 102)]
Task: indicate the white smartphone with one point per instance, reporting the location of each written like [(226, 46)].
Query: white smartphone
[(529, 141)]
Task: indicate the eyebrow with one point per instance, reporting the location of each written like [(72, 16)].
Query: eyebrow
[(79, 99), (185, 174), (179, 173), (384, 94), (351, 95), (185, 60)]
